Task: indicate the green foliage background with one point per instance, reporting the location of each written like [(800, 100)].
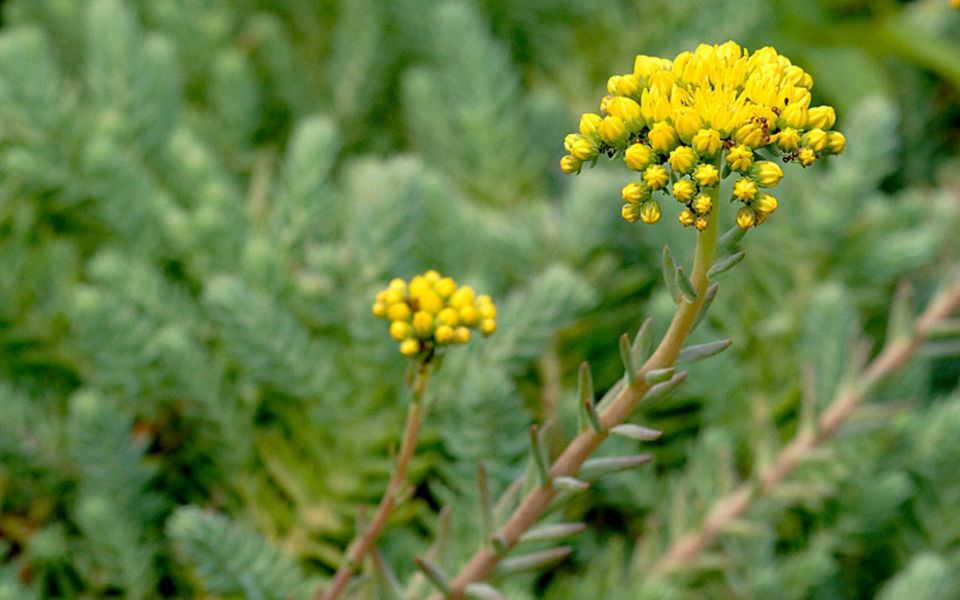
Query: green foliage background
[(198, 201)]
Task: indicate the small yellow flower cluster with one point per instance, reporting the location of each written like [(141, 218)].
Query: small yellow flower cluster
[(433, 311), (704, 115)]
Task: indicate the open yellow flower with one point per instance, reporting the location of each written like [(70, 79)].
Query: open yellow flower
[(715, 110)]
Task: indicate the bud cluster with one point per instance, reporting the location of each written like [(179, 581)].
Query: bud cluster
[(432, 311), (684, 124)]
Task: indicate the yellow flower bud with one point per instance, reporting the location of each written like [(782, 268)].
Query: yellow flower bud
[(765, 204), (793, 115), (707, 142), (464, 296), (806, 156), (445, 287), (687, 122), (630, 212), (662, 138), (700, 223), (683, 159), (815, 139), (702, 204), (570, 164), (462, 335), (821, 117), (745, 189), (794, 75), (613, 130), (633, 192), (488, 326), (625, 108), (444, 334), (398, 284), (379, 310), (449, 316), (639, 156), (469, 315), (399, 312), (788, 139), (569, 140), (409, 347), (686, 217), (399, 330), (392, 296), (740, 158), (655, 176), (683, 190), (706, 175), (612, 82), (766, 173), (584, 149), (604, 102), (650, 212), (836, 142), (487, 310), (430, 302), (589, 123), (422, 324), (749, 135), (628, 85), (746, 218)]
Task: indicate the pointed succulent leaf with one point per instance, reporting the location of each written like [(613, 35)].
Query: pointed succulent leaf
[(670, 273), (636, 432), (708, 297), (607, 465), (658, 375), (660, 390), (685, 286), (552, 531), (534, 560), (725, 264), (701, 351)]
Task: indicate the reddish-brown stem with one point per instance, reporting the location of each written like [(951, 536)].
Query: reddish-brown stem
[(732, 506), (362, 544), (485, 559)]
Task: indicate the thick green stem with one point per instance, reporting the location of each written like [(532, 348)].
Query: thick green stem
[(581, 447), (362, 544)]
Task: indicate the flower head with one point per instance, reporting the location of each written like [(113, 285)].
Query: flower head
[(705, 114), (431, 311)]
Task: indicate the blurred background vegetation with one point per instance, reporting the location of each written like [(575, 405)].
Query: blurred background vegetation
[(198, 201)]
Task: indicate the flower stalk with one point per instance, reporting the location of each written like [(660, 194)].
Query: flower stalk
[(732, 506), (362, 543), (570, 461)]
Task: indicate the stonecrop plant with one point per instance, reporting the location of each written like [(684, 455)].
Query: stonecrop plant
[(685, 124)]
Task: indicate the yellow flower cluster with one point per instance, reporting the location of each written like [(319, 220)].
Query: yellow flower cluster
[(684, 124), (433, 311)]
